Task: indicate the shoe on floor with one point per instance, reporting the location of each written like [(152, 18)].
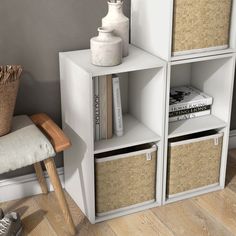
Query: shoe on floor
[(10, 225), (1, 213)]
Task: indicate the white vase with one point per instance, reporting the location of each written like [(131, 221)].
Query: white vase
[(116, 20), (106, 48)]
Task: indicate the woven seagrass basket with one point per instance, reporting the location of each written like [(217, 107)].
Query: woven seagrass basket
[(125, 180), (200, 25), (194, 163), (9, 84)]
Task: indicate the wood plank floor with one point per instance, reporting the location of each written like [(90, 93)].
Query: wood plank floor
[(211, 214)]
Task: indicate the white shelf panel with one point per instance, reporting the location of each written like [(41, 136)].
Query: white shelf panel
[(193, 193), (126, 212), (137, 60), (202, 54), (198, 124), (135, 133)]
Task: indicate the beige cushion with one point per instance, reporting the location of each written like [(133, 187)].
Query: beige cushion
[(24, 146)]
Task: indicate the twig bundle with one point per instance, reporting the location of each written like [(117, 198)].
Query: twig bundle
[(9, 73)]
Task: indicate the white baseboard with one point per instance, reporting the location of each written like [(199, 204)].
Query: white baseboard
[(232, 139), (24, 186)]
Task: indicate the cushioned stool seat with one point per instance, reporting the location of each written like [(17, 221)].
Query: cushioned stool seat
[(24, 146)]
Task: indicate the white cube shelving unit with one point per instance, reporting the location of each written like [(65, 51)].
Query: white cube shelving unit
[(213, 75), (145, 82), (152, 29), (143, 91)]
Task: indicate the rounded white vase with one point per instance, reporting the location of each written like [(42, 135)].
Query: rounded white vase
[(106, 48), (117, 21)]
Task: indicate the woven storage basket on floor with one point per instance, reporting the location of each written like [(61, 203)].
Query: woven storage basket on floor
[(8, 94), (200, 24), (125, 180), (193, 163)]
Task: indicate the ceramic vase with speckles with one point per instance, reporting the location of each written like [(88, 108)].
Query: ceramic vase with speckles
[(106, 48), (117, 21)]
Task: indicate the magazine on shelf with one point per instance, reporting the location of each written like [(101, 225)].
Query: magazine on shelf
[(190, 116), (117, 107), (186, 97)]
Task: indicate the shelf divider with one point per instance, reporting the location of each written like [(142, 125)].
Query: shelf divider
[(135, 133), (198, 124)]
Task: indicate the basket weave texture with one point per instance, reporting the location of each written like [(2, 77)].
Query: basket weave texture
[(200, 24), (193, 165), (9, 84), (125, 182)]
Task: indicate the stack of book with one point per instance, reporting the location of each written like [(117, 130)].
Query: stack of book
[(187, 102), (107, 107)]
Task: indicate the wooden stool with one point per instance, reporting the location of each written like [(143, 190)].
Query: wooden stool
[(29, 136)]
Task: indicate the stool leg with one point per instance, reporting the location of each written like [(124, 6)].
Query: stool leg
[(40, 176), (52, 172)]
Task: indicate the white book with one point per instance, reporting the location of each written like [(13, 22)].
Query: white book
[(117, 107), (96, 109), (190, 116), (187, 97)]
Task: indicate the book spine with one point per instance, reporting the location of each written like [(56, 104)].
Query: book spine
[(189, 105), (96, 109), (189, 116), (117, 109), (188, 111), (103, 106), (109, 107)]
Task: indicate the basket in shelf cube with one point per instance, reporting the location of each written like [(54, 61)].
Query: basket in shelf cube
[(193, 163), (200, 25), (125, 180)]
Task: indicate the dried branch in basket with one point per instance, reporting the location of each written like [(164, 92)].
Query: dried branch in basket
[(9, 73)]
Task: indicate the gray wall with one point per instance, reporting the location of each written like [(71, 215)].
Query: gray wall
[(32, 32)]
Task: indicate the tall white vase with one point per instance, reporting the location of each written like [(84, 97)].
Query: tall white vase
[(106, 48), (119, 23)]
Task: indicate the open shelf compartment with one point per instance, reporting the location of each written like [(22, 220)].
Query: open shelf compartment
[(213, 76), (143, 123)]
